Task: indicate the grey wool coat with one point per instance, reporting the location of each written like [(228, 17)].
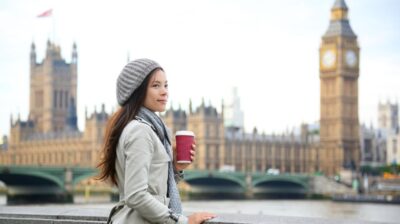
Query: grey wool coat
[(142, 174)]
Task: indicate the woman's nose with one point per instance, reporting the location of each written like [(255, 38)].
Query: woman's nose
[(164, 91)]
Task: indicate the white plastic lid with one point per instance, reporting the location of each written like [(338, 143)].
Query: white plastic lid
[(190, 133)]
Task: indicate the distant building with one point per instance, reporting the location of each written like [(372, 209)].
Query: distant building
[(380, 146), (53, 91), (220, 146), (388, 118), (373, 147), (4, 143), (393, 147), (388, 126), (50, 135), (339, 72), (233, 113)]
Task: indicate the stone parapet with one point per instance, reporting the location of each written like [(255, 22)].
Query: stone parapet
[(87, 215)]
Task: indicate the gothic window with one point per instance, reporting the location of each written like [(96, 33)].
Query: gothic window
[(47, 159), (88, 156), (55, 98), (216, 152), (207, 152), (66, 99), (53, 158), (41, 159), (61, 99)]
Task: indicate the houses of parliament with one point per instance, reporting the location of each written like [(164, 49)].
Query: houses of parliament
[(50, 135)]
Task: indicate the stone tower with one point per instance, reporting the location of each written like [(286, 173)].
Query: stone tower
[(208, 125), (53, 90), (388, 118), (175, 120), (339, 72)]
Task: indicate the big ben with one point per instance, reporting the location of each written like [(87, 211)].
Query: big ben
[(339, 72)]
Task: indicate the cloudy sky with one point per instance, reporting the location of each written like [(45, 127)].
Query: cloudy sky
[(266, 48)]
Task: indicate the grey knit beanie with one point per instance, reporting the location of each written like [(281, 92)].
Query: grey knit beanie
[(132, 75)]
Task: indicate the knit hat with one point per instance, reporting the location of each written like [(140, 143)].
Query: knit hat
[(132, 75)]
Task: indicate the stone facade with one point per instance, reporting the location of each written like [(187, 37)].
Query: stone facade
[(53, 90), (221, 147), (373, 147), (50, 135), (339, 72)]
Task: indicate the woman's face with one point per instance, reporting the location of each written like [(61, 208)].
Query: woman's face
[(157, 92)]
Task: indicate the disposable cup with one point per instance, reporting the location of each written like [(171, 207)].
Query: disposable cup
[(184, 140)]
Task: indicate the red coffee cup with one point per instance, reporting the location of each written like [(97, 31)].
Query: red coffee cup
[(184, 142)]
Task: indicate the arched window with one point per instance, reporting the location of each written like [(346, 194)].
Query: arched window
[(55, 98)]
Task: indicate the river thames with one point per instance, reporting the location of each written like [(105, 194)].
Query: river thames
[(389, 213)]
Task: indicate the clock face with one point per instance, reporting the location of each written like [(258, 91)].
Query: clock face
[(328, 58), (351, 58)]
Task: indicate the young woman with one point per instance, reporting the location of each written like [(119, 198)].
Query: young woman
[(137, 155)]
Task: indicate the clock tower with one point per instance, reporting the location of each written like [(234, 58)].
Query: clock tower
[(339, 72)]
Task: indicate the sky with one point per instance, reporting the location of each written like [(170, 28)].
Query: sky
[(268, 49)]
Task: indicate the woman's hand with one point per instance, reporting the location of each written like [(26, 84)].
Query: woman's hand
[(200, 217), (182, 166)]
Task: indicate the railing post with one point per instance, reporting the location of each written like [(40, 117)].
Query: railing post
[(249, 186), (68, 184)]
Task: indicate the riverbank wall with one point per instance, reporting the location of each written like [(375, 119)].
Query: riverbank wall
[(86, 215)]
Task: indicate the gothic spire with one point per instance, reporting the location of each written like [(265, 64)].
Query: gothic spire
[(339, 24), (74, 53)]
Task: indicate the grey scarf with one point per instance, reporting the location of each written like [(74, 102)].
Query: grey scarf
[(159, 127)]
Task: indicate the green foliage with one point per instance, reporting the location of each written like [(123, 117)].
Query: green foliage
[(379, 170)]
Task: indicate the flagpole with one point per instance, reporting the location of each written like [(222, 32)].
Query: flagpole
[(48, 13), (54, 28)]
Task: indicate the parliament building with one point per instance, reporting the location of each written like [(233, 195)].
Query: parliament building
[(49, 136)]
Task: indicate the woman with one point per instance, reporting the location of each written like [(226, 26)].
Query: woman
[(137, 153)]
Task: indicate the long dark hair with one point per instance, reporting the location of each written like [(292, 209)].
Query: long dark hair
[(114, 129)]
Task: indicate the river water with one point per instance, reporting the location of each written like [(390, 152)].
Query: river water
[(389, 213), (303, 208)]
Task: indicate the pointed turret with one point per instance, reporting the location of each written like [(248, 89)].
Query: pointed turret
[(74, 59), (202, 106), (190, 106), (340, 4), (33, 55), (339, 23), (74, 74), (48, 48), (222, 107), (53, 52)]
